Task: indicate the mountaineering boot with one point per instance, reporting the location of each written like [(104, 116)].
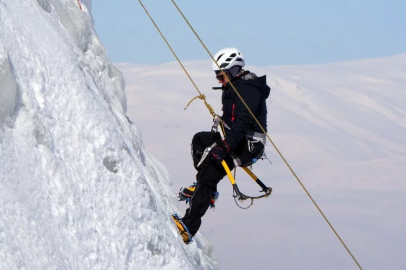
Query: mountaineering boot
[(186, 194), (186, 236)]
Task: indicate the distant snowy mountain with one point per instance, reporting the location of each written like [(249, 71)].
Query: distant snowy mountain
[(77, 188), (341, 126)]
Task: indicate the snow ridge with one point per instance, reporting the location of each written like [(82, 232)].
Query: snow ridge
[(77, 188)]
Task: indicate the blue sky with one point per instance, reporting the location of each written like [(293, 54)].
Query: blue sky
[(267, 32)]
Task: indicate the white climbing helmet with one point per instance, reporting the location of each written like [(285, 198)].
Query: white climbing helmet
[(228, 58)]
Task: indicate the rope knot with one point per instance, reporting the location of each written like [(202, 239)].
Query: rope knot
[(202, 97)]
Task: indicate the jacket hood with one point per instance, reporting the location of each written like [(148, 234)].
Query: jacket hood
[(247, 77), (259, 82)]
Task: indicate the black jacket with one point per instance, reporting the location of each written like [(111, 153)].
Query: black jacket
[(254, 91)]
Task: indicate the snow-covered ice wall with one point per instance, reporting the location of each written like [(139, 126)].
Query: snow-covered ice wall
[(77, 189)]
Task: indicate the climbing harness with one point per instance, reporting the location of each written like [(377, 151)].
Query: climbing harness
[(201, 96)]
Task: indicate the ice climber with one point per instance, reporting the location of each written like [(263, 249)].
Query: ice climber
[(244, 138)]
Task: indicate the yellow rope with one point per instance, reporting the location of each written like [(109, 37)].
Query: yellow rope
[(201, 96), (262, 128)]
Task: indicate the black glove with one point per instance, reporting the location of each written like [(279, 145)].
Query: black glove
[(218, 153)]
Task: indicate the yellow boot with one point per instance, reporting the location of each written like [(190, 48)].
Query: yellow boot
[(187, 238)]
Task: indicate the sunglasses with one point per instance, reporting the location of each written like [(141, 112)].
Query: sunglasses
[(219, 75)]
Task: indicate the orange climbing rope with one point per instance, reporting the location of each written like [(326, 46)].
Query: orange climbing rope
[(80, 5)]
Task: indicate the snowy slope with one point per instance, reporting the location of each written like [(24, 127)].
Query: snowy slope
[(77, 188), (341, 126)]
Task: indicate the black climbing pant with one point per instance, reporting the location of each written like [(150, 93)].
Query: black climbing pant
[(208, 176)]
